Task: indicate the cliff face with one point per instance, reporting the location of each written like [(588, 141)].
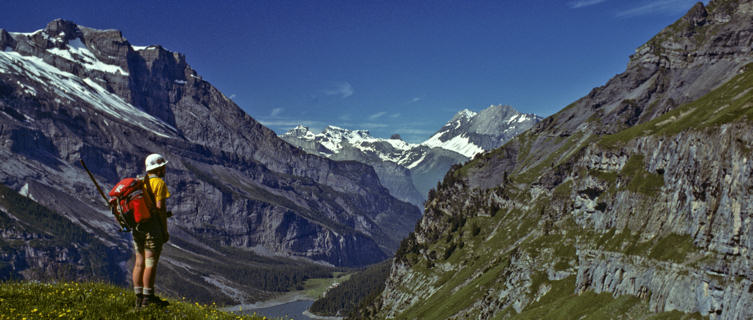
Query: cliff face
[(31, 249), (632, 201), (69, 92)]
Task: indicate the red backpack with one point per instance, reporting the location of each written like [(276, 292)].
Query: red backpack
[(131, 205)]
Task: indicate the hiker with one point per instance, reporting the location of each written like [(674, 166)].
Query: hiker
[(150, 235)]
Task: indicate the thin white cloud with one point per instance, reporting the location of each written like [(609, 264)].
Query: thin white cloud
[(232, 96), (658, 7), (416, 99), (395, 116), (583, 3), (342, 89), (415, 131), (362, 125), (276, 112), (289, 123), (377, 115), (370, 125)]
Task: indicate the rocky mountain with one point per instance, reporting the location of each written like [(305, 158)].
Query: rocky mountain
[(633, 202), (408, 170), (248, 207), (470, 133)]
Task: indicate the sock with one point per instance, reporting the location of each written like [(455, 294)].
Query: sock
[(138, 290), (148, 291)]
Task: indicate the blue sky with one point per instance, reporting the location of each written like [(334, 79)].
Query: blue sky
[(387, 66)]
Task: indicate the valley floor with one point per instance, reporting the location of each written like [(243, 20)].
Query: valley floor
[(313, 289)]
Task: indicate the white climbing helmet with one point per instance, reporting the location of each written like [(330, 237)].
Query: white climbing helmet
[(155, 161)]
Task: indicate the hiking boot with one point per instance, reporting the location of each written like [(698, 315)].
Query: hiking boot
[(150, 300), (139, 297)]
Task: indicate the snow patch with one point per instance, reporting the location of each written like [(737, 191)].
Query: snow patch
[(27, 89), (25, 192), (460, 144), (68, 86), (78, 52), (26, 34), (417, 162), (139, 48)]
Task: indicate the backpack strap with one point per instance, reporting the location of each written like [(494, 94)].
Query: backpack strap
[(152, 202)]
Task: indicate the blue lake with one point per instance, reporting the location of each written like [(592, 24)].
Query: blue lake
[(290, 310)]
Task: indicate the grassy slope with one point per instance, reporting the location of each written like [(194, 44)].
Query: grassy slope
[(485, 257), (731, 102), (90, 300)]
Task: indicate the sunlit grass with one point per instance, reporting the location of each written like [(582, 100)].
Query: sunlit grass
[(73, 300)]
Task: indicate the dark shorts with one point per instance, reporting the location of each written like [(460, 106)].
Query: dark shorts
[(148, 236)]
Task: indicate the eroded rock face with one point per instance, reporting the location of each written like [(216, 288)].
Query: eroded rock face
[(653, 214), (68, 92)]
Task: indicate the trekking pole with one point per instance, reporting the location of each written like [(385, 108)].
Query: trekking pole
[(118, 218), (95, 182)]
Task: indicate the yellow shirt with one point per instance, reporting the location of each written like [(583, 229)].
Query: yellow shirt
[(159, 188)]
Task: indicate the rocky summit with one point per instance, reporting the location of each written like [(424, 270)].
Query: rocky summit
[(409, 170), (242, 198), (633, 202)]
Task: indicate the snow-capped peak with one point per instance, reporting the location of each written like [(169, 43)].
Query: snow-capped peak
[(335, 139), (300, 132), (467, 133), (465, 113), (461, 118)]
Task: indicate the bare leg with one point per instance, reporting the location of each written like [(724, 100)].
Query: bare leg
[(150, 268), (138, 269)]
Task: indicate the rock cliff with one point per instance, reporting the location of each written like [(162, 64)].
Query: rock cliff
[(631, 202)]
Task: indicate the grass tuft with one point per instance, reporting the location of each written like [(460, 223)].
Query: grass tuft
[(93, 300)]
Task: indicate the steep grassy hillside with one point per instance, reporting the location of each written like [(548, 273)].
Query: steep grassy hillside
[(632, 203), (525, 251), (361, 288)]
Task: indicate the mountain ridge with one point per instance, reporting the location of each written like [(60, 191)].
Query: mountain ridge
[(410, 170), (629, 202)]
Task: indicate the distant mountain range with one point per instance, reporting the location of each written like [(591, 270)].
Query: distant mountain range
[(408, 170)]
